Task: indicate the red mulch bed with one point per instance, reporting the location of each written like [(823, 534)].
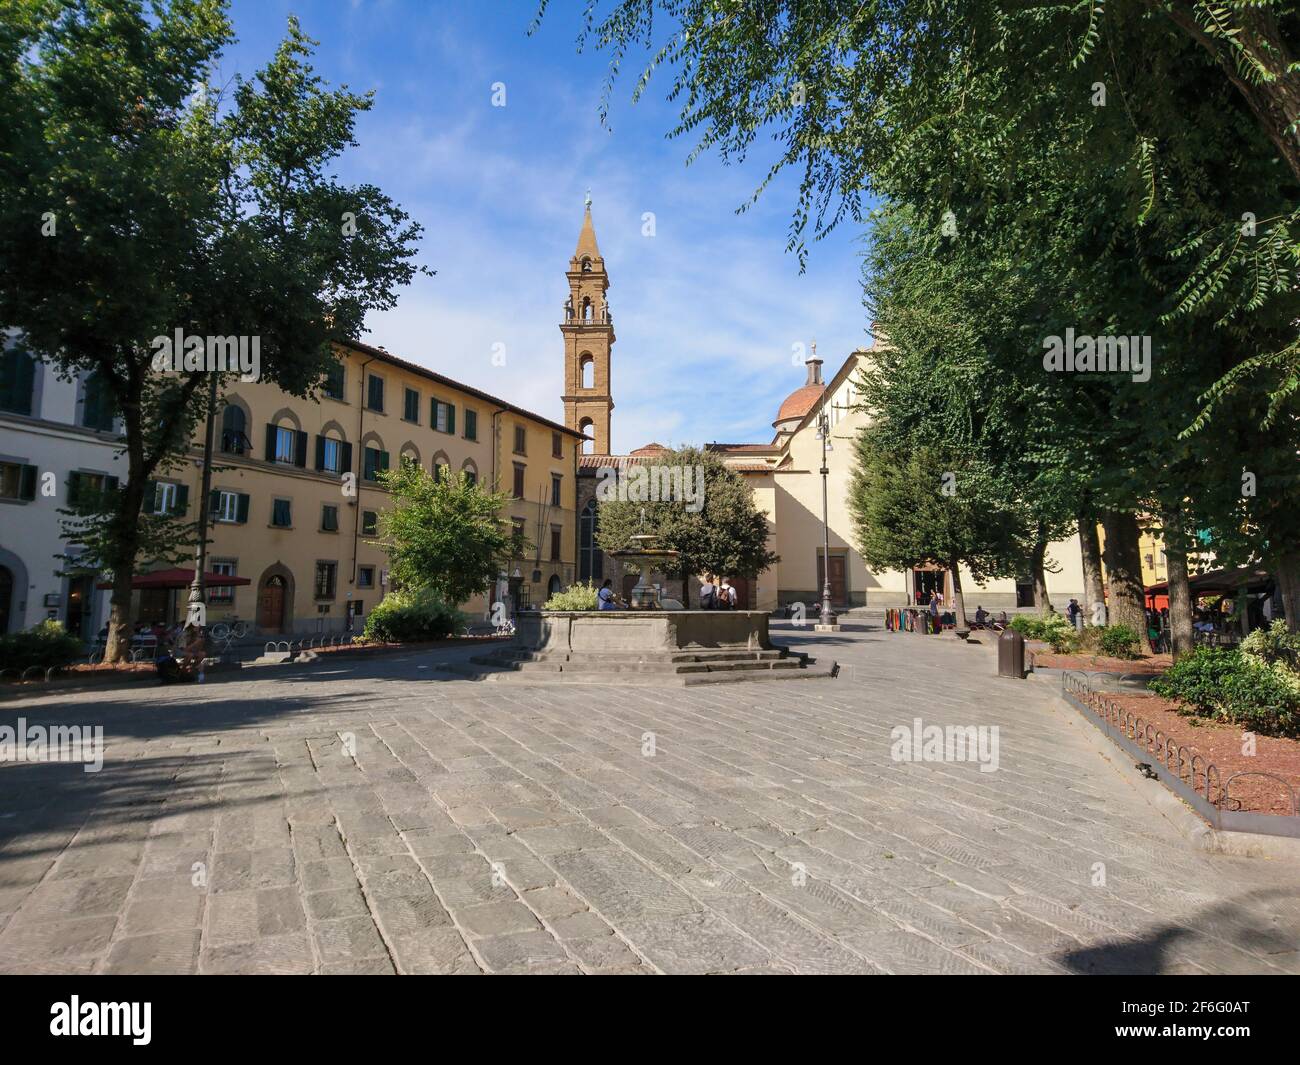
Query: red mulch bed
[(1221, 744), (1099, 663)]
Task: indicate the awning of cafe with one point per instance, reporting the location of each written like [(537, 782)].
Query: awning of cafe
[(180, 578), (1226, 582)]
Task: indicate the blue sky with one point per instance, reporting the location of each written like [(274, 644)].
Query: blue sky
[(708, 310)]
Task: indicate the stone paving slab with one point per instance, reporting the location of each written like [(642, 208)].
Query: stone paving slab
[(379, 817)]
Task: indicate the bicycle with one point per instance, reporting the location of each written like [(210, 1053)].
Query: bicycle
[(230, 628)]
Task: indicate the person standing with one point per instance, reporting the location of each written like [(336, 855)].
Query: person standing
[(726, 596), (708, 592)]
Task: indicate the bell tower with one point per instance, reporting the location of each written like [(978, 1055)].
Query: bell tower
[(588, 330)]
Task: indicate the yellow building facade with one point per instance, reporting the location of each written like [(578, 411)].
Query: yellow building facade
[(295, 500)]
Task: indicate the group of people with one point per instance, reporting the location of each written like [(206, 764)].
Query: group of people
[(713, 596)]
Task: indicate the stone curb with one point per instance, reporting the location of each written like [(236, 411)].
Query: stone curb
[(1189, 824)]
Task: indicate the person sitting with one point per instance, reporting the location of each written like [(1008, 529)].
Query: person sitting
[(605, 598), (194, 650)]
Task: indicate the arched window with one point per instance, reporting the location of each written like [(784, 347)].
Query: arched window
[(588, 370), (591, 561), (234, 431), (587, 428), (553, 586), (586, 264), (586, 309)]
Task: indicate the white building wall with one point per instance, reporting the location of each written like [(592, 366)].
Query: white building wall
[(30, 534)]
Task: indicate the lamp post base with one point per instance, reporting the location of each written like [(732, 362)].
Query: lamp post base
[(822, 626)]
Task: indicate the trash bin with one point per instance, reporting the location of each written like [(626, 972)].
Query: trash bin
[(1011, 654)]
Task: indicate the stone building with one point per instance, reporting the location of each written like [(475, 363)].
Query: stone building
[(784, 474)]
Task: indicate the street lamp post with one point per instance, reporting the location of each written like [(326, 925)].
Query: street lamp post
[(196, 609), (828, 622)]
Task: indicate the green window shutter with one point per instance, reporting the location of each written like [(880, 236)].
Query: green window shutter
[(151, 496), (383, 460), (471, 425), (27, 483), (270, 443), (74, 488), (300, 449), (17, 379), (243, 508), (345, 458), (451, 418), (182, 498), (320, 452), (110, 485), (214, 503)]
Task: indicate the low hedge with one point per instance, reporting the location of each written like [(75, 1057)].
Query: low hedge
[(47, 644), (1224, 684), (411, 616)]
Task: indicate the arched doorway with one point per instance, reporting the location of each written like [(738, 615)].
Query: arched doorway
[(553, 585), (271, 604), (6, 597)]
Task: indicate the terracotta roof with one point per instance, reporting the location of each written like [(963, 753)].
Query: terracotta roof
[(423, 371), (739, 447), (800, 402)]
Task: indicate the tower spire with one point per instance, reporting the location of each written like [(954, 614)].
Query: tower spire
[(588, 330)]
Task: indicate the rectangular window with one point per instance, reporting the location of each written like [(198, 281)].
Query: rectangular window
[(281, 513), (369, 522), (97, 409), (376, 463), (283, 444), (17, 481), (521, 439), (230, 507), (471, 425), (411, 405), (375, 393), (329, 518), (335, 385), (471, 477), (444, 416), (332, 456), (164, 498), (518, 488), (557, 486), (556, 534), (557, 445), (366, 577), (326, 575), (17, 381), (226, 593)]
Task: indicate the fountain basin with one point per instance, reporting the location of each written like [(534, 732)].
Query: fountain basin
[(673, 647)]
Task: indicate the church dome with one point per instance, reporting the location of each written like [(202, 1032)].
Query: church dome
[(650, 449), (800, 402)]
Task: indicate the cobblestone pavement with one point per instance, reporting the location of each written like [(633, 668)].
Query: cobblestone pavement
[(379, 817)]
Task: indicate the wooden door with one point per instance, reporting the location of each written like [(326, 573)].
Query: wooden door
[(270, 606), (839, 580)]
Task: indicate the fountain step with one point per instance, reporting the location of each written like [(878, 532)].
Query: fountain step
[(616, 657), (679, 679)]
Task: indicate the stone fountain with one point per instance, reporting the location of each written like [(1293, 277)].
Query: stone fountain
[(644, 644), (646, 557)]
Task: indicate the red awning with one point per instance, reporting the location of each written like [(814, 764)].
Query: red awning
[(179, 578)]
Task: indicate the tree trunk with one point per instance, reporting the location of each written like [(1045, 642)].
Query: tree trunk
[(1090, 545), (1180, 593), (1038, 570), (126, 541), (1286, 571), (1123, 560), (958, 599)]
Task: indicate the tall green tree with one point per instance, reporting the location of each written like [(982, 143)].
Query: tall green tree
[(444, 533), (695, 505), (914, 505), (139, 200)]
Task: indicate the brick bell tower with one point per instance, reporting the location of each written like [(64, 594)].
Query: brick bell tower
[(588, 330)]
